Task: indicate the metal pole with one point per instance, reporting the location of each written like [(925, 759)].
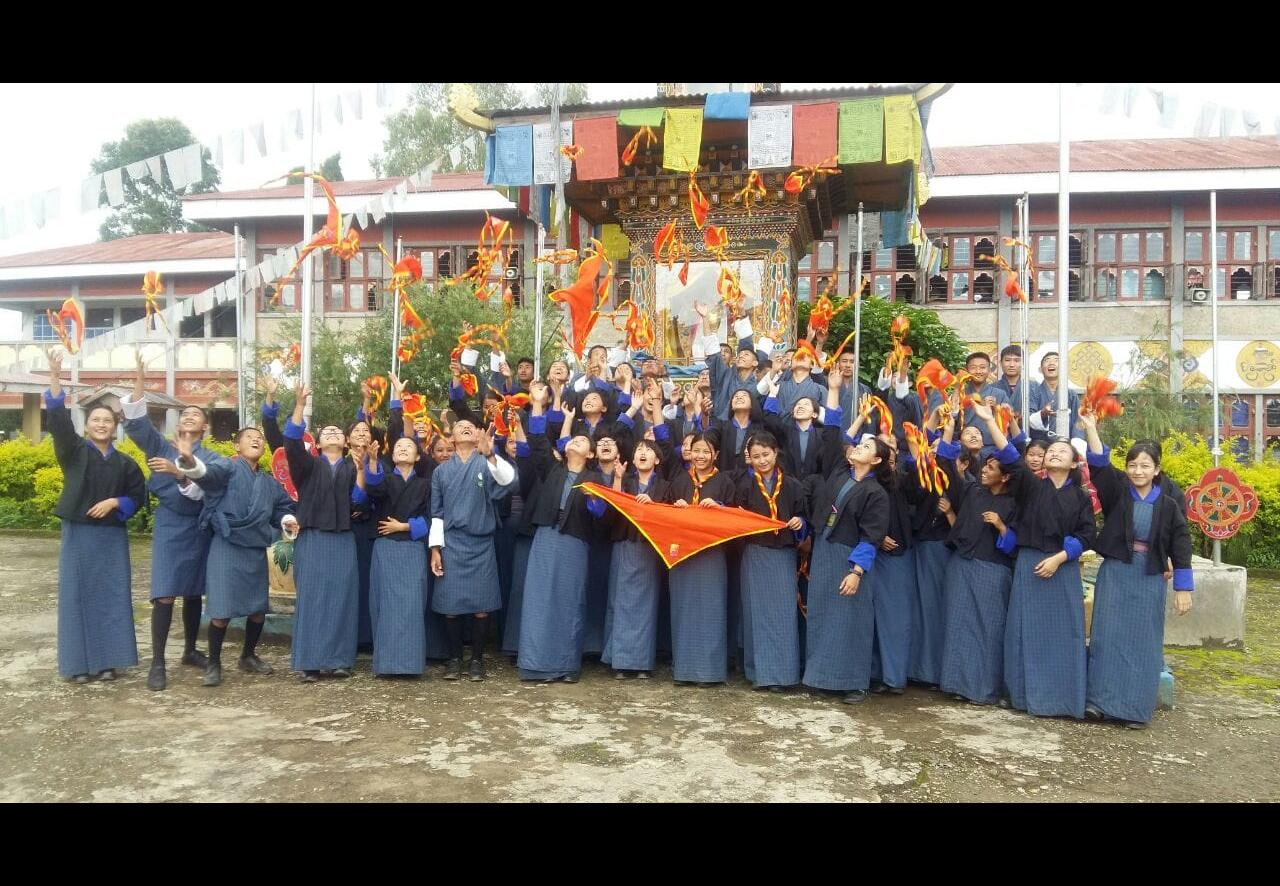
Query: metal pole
[(395, 316), (537, 304), (308, 191), (560, 218), (1063, 274), (239, 336), (1025, 310), (857, 311), (1213, 313)]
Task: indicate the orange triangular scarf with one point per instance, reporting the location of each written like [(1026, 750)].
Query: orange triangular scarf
[(679, 533)]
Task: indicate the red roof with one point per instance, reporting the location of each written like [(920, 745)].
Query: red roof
[(451, 181), (144, 247), (1124, 155)]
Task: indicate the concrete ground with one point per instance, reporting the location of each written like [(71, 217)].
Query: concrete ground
[(271, 738)]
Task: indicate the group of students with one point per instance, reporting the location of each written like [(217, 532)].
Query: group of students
[(409, 541)]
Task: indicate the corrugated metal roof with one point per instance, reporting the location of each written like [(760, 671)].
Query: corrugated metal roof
[(451, 181), (144, 247), (1123, 155), (677, 101)]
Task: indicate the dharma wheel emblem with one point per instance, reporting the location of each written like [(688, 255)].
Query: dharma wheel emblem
[(1220, 504)]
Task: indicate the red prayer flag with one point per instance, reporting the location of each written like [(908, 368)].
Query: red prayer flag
[(598, 137), (679, 533), (814, 131)]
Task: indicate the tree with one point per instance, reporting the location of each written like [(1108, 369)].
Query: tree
[(574, 94), (331, 169), (151, 207), (341, 359), (928, 338), (1151, 411), (425, 131)]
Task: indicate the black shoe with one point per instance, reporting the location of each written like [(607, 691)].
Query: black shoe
[(879, 687), (453, 669), (1134, 724), (341, 673), (642, 675), (777, 689), (254, 665), (212, 675), (80, 679), (708, 685), (857, 696), (310, 676), (196, 659), (571, 678), (477, 669), (156, 677), (1092, 713), (108, 674)]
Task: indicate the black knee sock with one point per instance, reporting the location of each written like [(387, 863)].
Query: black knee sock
[(161, 618), (191, 607), (216, 636), (479, 629), (453, 628), (252, 631)]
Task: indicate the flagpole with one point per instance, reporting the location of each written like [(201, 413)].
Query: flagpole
[(1063, 274), (857, 311), (239, 335), (307, 222), (395, 315), (1213, 313), (537, 302), (1028, 289)]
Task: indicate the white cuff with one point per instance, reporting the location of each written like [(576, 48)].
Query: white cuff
[(133, 408), (669, 411), (883, 380), (192, 473), (191, 491), (501, 470), (765, 344), (617, 356), (822, 414), (1037, 421), (742, 327), (581, 384), (435, 535), (901, 389)]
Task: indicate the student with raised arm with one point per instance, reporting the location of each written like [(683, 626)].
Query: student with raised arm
[(726, 380), (806, 446), (243, 505), (326, 620), (1044, 653), (520, 452), (464, 493), (930, 528), (179, 547), (1144, 542), (101, 490), (799, 382)]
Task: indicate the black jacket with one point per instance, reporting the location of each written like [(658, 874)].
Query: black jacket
[(324, 493), (1169, 537), (88, 477), (542, 508), (792, 502), (1048, 515), (863, 516), (401, 499)]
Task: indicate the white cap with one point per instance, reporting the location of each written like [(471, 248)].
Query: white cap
[(617, 356), (742, 327), (765, 344), (495, 361), (470, 357), (1079, 446)]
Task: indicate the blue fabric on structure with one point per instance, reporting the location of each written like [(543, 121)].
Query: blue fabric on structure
[(895, 227), (864, 555), (512, 153), (1072, 546), (727, 106)]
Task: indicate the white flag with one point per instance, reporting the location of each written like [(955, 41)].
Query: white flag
[(157, 170), (546, 153), (376, 210), (193, 163), (259, 133), (362, 218), (384, 94), (236, 146), (253, 279), (1228, 121), (37, 209), (1252, 125), (177, 169), (219, 156), (52, 204), (1130, 99), (389, 199), (355, 104), (90, 193), (1208, 113), (203, 301), (1110, 98), (138, 171), (455, 157), (335, 108), (402, 189), (295, 122), (769, 136), (115, 187), (1167, 105)]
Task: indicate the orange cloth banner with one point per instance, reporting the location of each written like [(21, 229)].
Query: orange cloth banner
[(814, 133), (679, 533), (598, 137)]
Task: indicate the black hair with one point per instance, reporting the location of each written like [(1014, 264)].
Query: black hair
[(1047, 356), (1015, 350), (203, 412), (762, 438), (1150, 447), (524, 360), (92, 409), (883, 471), (606, 432), (359, 421), (977, 355), (1036, 443), (240, 433), (711, 438), (591, 350), (1075, 474), (651, 446), (813, 400)]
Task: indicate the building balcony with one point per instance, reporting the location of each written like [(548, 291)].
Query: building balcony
[(192, 354)]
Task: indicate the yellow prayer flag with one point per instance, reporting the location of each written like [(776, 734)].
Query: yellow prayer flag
[(681, 139), (616, 245), (901, 129)]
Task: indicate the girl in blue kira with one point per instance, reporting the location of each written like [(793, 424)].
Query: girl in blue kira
[(1010, 633)]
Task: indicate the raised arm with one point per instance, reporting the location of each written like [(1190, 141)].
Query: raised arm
[(271, 413), (301, 462), (65, 439)]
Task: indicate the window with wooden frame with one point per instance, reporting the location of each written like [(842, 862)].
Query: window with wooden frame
[(353, 286), (965, 276), (818, 264), (1045, 247), (1273, 263), (287, 299), (1235, 251)]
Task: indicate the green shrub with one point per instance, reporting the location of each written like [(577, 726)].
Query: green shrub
[(19, 461)]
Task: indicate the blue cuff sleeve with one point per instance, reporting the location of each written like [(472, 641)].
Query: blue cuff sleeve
[(417, 528), (1183, 580), (294, 432), (556, 416), (523, 450), (950, 450), (1008, 455), (1021, 439), (1007, 542), (537, 424), (51, 401), (270, 411), (864, 555), (596, 506), (771, 405), (456, 391), (129, 507), (395, 404), (803, 532), (360, 416), (562, 442), (627, 420), (932, 435), (697, 423), (1072, 546), (660, 432), (624, 400), (359, 496), (835, 416), (371, 478), (1098, 459)]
